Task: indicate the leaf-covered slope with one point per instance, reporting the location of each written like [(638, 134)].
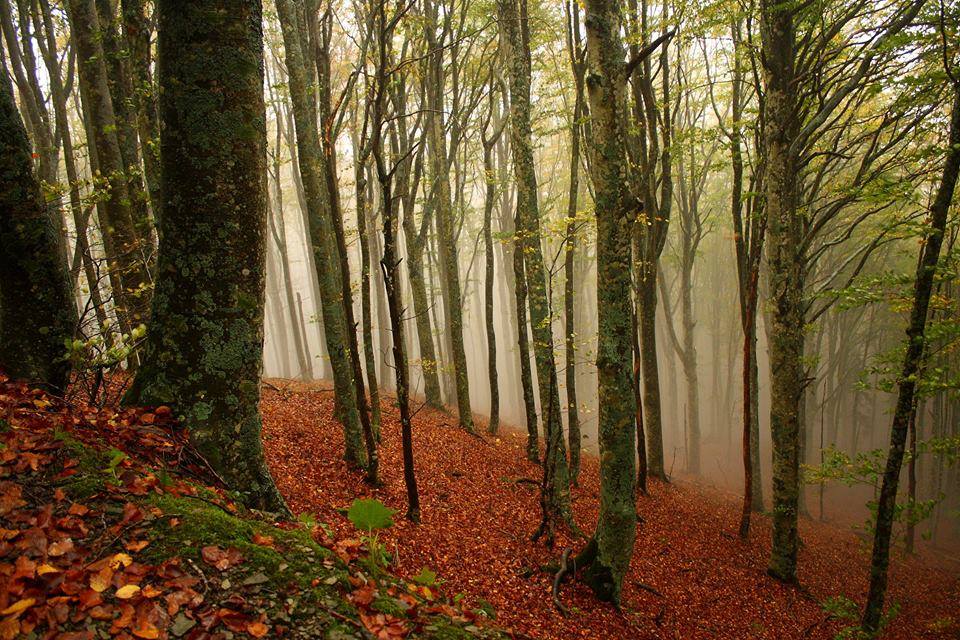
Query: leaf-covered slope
[(110, 527)]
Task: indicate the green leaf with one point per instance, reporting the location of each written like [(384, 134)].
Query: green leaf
[(370, 514), (426, 577)]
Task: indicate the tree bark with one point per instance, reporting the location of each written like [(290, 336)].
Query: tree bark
[(318, 201), (912, 361), (515, 38), (204, 348), (123, 244), (786, 265), (616, 211), (37, 313)]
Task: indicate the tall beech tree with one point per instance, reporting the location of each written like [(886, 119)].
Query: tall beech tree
[(319, 210), (446, 240), (904, 413), (204, 348), (515, 39), (607, 556), (577, 55), (123, 243), (489, 141), (797, 217), (37, 312), (385, 25)]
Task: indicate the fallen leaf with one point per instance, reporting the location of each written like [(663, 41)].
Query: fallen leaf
[(128, 591), (18, 607)]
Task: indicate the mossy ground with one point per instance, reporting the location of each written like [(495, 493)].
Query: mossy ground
[(289, 577)]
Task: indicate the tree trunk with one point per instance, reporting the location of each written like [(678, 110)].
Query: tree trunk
[(574, 437), (137, 31), (616, 209), (515, 38), (204, 348), (127, 255), (37, 313), (652, 417), (786, 266), (319, 213), (490, 193), (446, 240), (121, 94), (366, 315), (912, 360)]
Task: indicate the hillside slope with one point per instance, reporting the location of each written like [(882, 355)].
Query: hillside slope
[(691, 576), (110, 527)]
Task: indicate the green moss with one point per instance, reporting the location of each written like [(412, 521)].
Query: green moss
[(389, 606), (296, 557)]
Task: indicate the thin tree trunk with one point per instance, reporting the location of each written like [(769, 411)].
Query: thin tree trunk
[(515, 38), (912, 360), (321, 221)]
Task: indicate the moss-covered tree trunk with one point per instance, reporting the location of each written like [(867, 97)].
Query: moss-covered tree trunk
[(489, 197), (37, 312), (117, 59), (416, 238), (318, 209), (319, 41), (786, 279), (366, 314), (912, 360), (204, 349), (515, 38), (523, 344), (607, 556), (445, 218), (125, 251), (82, 259), (578, 66), (137, 32)]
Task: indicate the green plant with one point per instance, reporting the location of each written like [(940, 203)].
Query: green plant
[(371, 515)]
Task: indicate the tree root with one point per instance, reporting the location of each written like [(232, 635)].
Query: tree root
[(647, 587), (558, 578)]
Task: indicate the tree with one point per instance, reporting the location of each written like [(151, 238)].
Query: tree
[(578, 66), (515, 38), (204, 347), (607, 556), (651, 149), (449, 256), (905, 410), (319, 200), (489, 142), (796, 215), (385, 26), (37, 313), (124, 246)]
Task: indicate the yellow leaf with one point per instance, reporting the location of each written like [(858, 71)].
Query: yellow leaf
[(146, 630), (128, 591), (44, 569), (19, 607), (100, 580), (120, 560)]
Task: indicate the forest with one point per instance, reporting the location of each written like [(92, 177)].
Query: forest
[(465, 319)]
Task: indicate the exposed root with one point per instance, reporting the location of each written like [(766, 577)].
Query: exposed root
[(647, 587), (557, 579)]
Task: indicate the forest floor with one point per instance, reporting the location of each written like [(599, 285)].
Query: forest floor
[(112, 527), (479, 510)]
